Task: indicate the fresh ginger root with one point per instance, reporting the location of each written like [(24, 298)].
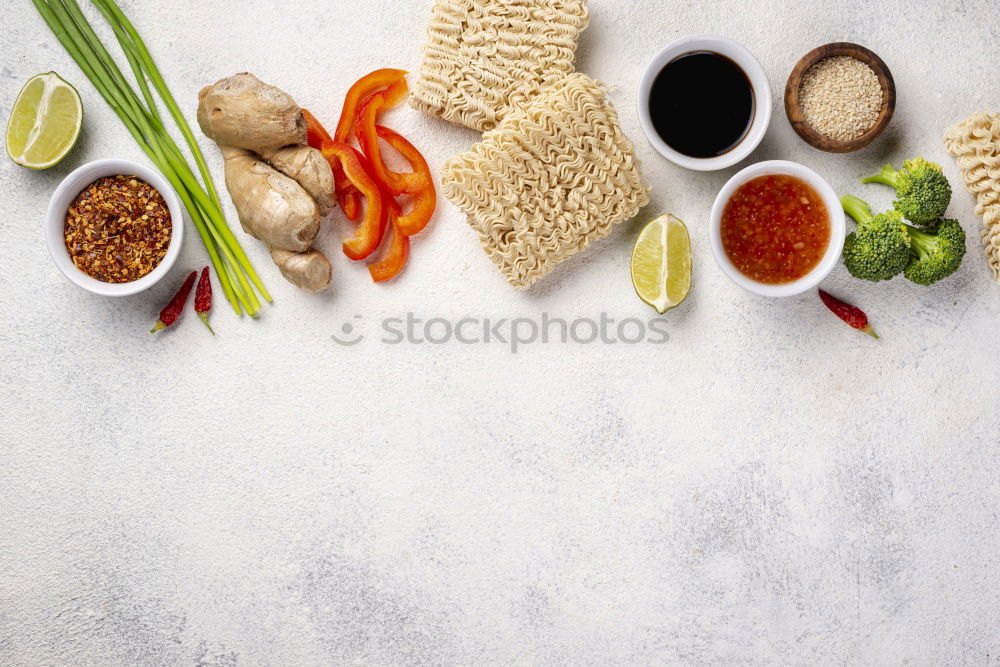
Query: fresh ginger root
[(245, 112), (307, 166), (272, 207), (279, 186), (310, 270)]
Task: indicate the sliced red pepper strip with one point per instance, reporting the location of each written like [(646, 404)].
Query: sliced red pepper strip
[(316, 134), (420, 177), (369, 233), (391, 97), (396, 183), (395, 257), (362, 88), (394, 94), (425, 201), (350, 202), (347, 195)]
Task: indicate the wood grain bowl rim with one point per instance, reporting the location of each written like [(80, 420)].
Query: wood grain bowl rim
[(793, 108)]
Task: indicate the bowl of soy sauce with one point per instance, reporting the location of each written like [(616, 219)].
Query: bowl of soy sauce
[(704, 102)]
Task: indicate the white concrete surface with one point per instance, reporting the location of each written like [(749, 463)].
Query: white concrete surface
[(765, 487)]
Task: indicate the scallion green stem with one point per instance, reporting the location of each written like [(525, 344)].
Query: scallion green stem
[(161, 87), (143, 121)]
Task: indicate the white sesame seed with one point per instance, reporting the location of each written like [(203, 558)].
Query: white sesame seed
[(840, 97)]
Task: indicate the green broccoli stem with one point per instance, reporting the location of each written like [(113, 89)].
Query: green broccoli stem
[(889, 176), (856, 208), (921, 243)]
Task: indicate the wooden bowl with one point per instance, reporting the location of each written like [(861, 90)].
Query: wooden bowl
[(793, 108)]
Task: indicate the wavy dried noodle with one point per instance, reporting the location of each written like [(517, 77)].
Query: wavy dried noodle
[(975, 145), (483, 58), (549, 180)]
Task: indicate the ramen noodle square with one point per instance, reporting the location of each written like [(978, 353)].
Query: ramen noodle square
[(483, 59), (548, 180)]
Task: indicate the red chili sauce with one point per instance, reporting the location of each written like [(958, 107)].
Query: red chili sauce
[(775, 229)]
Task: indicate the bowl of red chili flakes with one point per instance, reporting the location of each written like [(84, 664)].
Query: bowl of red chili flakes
[(114, 227), (777, 228)]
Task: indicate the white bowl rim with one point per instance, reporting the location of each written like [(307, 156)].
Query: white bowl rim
[(758, 80), (67, 191), (834, 210)]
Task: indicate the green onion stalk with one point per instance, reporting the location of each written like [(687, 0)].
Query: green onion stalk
[(142, 119)]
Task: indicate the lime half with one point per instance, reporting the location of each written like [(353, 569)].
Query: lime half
[(661, 263), (44, 123)]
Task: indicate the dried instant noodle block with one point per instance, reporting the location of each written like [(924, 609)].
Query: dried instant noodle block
[(483, 58), (975, 145), (549, 180)]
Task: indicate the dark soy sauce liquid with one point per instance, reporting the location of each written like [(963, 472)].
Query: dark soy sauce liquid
[(701, 104)]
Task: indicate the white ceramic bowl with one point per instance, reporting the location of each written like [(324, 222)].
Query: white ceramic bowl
[(833, 208), (67, 191), (758, 80)]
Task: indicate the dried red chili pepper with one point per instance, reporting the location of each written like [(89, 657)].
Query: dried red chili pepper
[(203, 298), (854, 317), (172, 310)]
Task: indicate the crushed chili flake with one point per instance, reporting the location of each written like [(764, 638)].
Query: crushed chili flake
[(118, 229)]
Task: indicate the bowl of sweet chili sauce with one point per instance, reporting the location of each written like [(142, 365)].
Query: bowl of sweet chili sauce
[(114, 227), (777, 228)]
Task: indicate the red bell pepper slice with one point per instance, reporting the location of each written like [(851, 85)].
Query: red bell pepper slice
[(425, 201), (347, 194), (393, 95), (395, 257), (372, 228), (395, 182), (359, 92), (316, 134)]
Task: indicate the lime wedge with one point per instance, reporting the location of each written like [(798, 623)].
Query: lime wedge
[(44, 123), (661, 263)]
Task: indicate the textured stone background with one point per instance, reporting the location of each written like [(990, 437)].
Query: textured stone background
[(767, 487)]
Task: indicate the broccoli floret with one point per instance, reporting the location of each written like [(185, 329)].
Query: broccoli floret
[(935, 255), (922, 189), (880, 249)]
